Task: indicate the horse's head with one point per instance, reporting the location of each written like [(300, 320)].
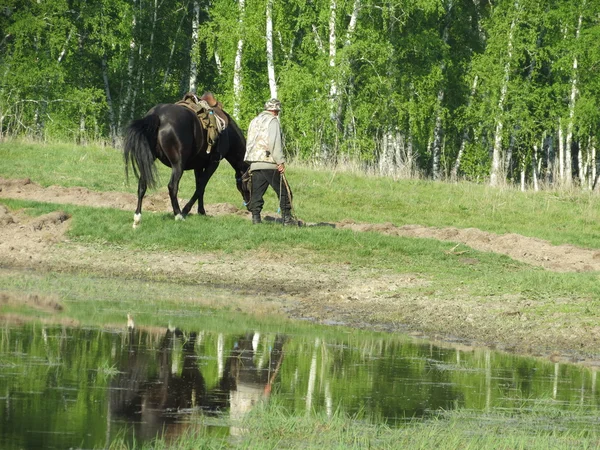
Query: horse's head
[(235, 157), (243, 185)]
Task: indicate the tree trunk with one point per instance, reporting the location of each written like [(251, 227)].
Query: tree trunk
[(130, 66), (194, 48), (534, 169), (269, 38), (561, 152), (438, 130), (436, 147), (465, 136), (109, 103), (497, 171), (237, 64), (572, 98), (168, 67), (333, 92)]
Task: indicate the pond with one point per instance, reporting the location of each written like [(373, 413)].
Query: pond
[(64, 387)]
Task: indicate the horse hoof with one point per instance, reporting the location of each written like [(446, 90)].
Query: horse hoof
[(179, 217), (137, 218)]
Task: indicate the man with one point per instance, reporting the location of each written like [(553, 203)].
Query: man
[(267, 164)]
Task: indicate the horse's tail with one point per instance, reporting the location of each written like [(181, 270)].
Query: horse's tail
[(139, 149)]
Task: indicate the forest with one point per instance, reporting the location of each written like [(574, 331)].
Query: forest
[(503, 92)]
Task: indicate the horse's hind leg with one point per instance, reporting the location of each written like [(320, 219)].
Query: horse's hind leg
[(176, 173), (137, 217)]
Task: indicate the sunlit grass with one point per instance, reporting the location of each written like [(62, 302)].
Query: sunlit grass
[(271, 427), (331, 195), (431, 259)]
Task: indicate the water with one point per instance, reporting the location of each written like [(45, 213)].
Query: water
[(66, 387)]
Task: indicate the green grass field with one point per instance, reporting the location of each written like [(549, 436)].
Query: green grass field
[(328, 195)]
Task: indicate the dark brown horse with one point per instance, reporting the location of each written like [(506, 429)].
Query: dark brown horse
[(173, 134)]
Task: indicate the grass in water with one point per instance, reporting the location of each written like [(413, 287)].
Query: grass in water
[(271, 427)]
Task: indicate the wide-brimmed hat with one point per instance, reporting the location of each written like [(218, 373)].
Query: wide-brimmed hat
[(273, 105)]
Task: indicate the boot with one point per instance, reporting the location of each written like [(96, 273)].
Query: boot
[(288, 220), (256, 218)]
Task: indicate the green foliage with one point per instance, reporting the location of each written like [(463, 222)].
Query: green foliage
[(81, 71)]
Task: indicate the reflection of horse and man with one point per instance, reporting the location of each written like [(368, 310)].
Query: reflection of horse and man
[(154, 393), (195, 134)]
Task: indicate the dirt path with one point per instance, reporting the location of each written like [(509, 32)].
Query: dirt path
[(331, 294)]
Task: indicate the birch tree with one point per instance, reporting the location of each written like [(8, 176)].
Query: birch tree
[(195, 47), (497, 170), (568, 175), (237, 67), (269, 40)]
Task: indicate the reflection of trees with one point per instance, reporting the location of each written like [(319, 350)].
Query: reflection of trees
[(151, 394)]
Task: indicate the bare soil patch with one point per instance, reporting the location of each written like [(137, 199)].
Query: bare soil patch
[(329, 293)]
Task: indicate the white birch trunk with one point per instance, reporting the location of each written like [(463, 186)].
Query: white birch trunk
[(438, 130), (581, 165), (152, 34), (497, 169), (523, 176), (332, 54), (237, 64), (569, 137), (109, 103), (318, 41), (218, 63), (437, 137), (385, 159), (269, 38), (352, 23), (168, 68), (130, 67), (592, 162), (195, 48), (561, 152), (465, 136), (63, 52), (534, 169)]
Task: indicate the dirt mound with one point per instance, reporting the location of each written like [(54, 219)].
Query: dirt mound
[(537, 252), (559, 258)]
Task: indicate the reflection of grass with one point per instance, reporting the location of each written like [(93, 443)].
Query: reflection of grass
[(270, 427), (107, 369)]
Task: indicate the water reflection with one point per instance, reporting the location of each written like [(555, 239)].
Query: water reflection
[(153, 397), (74, 387), (157, 396)]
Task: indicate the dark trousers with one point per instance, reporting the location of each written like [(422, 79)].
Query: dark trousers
[(260, 181)]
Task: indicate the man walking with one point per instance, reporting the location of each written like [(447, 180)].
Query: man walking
[(264, 153)]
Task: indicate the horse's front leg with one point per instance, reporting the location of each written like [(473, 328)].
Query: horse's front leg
[(202, 176), (176, 173), (137, 217)]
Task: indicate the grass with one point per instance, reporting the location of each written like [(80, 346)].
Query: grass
[(492, 275), (271, 427), (320, 195), (326, 195)]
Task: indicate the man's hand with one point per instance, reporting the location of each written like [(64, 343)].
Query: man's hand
[(281, 167)]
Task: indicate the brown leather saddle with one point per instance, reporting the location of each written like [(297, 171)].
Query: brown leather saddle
[(209, 112)]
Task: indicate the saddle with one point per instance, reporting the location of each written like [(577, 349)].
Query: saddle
[(209, 112)]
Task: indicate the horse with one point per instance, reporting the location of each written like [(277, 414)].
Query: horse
[(173, 134)]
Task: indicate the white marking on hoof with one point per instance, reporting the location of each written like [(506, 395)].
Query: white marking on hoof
[(179, 217), (137, 218)]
